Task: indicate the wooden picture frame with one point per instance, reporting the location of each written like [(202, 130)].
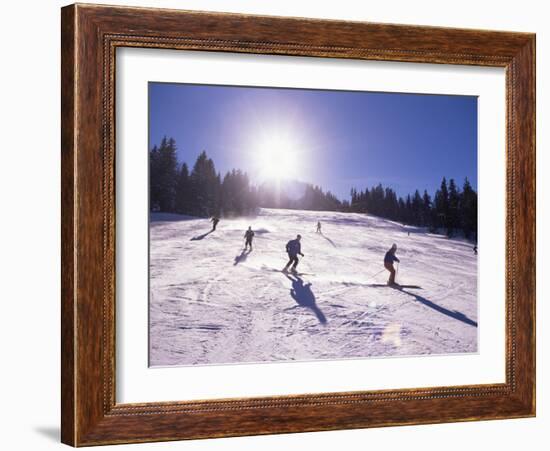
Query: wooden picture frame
[(90, 412)]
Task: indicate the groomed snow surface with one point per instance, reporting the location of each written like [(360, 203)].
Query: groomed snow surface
[(212, 303)]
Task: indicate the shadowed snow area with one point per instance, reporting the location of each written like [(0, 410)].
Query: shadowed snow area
[(212, 301)]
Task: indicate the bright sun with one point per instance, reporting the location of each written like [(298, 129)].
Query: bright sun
[(277, 156)]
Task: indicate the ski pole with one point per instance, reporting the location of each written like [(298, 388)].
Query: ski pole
[(397, 270), (374, 275)]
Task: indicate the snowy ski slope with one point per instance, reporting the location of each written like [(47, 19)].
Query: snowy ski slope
[(212, 303)]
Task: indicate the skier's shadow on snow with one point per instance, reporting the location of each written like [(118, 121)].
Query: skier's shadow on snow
[(242, 257), (304, 297), (201, 237), (452, 313), (327, 238)]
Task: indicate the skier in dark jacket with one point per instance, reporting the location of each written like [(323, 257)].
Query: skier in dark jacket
[(293, 249), (214, 221), (319, 227), (389, 258), (248, 235)]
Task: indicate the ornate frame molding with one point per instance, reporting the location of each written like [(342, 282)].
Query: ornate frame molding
[(90, 36)]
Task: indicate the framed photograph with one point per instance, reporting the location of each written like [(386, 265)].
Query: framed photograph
[(279, 225)]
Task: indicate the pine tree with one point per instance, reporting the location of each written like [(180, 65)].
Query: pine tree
[(427, 216), (182, 202), (416, 206), (442, 206), (354, 204), (238, 197), (377, 198), (469, 210), (391, 206), (163, 164), (204, 187), (402, 210), (366, 201), (453, 222), (154, 179)]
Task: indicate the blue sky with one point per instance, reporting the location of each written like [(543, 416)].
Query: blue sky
[(336, 139)]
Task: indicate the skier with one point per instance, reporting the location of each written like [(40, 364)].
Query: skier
[(293, 249), (475, 249), (319, 227), (248, 235), (214, 221), (389, 258)]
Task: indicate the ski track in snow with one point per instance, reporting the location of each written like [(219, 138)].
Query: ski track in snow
[(212, 303)]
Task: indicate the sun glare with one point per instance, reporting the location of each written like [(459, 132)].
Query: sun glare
[(277, 156)]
